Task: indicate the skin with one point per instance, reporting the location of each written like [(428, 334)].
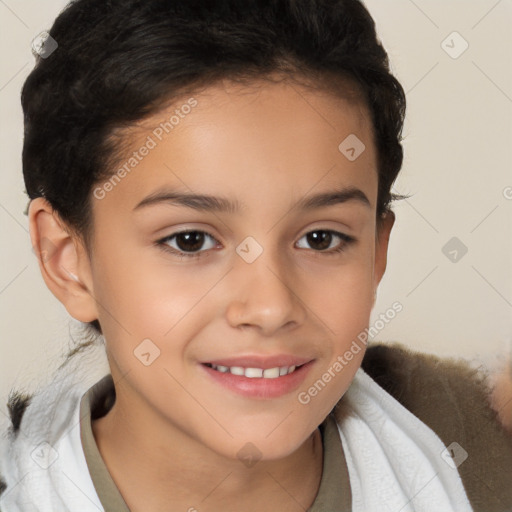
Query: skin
[(173, 435), (501, 398)]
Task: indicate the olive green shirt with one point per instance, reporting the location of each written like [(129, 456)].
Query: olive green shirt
[(333, 494)]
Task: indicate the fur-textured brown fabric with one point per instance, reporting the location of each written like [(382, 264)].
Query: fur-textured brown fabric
[(453, 399)]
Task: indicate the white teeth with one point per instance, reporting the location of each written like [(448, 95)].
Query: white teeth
[(253, 372), (269, 373)]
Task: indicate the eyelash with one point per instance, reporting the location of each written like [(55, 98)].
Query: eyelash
[(347, 240)]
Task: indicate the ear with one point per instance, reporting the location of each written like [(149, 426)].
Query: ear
[(381, 246), (63, 260)]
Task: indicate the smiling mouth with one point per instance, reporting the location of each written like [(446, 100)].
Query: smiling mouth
[(255, 373)]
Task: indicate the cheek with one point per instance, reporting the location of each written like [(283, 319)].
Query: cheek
[(344, 293), (139, 291), (345, 305), (169, 298)]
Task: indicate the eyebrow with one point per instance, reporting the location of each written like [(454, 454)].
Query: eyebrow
[(209, 203)]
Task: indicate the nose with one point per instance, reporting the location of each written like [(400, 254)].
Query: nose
[(264, 295)]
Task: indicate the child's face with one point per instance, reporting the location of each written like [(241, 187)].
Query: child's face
[(266, 148)]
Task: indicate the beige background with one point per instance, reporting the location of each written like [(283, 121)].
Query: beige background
[(457, 168)]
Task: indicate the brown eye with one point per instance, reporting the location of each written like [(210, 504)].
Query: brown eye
[(322, 239), (188, 242), (319, 239)]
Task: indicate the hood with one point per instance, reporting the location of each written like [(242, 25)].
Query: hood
[(40, 465)]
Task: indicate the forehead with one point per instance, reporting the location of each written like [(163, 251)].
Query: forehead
[(247, 140)]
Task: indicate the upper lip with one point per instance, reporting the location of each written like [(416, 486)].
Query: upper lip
[(261, 361)]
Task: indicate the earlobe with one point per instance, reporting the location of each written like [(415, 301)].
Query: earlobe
[(62, 259)]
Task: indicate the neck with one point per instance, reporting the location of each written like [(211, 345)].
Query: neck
[(155, 464)]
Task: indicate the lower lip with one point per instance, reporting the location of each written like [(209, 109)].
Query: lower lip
[(258, 387)]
